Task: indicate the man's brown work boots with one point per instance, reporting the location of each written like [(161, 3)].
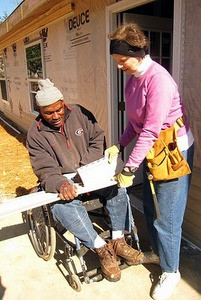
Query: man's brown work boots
[(109, 265), (129, 255)]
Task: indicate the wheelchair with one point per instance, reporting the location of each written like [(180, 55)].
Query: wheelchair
[(46, 234)]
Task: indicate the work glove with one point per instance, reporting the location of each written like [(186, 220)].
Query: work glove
[(112, 152), (68, 191), (125, 178)]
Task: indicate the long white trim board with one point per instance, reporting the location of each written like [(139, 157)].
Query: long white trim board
[(96, 175)]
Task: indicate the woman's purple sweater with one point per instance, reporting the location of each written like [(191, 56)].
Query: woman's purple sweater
[(152, 104)]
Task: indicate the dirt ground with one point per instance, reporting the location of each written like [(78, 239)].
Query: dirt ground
[(16, 175), (23, 275)]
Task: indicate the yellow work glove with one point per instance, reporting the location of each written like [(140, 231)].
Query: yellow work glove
[(112, 152), (125, 178)]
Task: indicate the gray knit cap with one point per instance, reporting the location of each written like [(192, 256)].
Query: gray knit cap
[(48, 93)]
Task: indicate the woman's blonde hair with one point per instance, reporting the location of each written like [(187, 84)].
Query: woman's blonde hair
[(132, 34)]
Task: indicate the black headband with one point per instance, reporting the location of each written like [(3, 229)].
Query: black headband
[(123, 48)]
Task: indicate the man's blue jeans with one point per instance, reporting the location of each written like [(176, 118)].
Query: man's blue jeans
[(165, 233), (74, 217)]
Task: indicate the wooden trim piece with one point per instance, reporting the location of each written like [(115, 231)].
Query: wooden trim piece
[(193, 217), (195, 193), (125, 5), (194, 203), (196, 179), (192, 233), (178, 43)]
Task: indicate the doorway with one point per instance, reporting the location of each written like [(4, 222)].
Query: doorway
[(156, 19)]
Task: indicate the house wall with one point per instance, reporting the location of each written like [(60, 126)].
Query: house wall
[(17, 86), (75, 60), (192, 96)]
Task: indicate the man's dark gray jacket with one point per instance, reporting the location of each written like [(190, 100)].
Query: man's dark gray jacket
[(53, 153)]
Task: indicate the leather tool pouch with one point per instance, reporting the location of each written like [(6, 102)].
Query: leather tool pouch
[(164, 160)]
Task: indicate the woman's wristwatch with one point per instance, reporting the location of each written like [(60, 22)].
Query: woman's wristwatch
[(129, 171)]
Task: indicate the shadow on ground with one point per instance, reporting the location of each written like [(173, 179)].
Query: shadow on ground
[(2, 290), (190, 256), (12, 231)]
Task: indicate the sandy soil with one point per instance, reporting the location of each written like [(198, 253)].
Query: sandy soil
[(16, 175)]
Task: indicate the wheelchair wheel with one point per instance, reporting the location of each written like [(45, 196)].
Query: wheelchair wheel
[(42, 234), (74, 282)]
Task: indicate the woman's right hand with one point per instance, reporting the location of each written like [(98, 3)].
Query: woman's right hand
[(124, 180)]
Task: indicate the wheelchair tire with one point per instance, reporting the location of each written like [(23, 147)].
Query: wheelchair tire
[(74, 282), (42, 234)]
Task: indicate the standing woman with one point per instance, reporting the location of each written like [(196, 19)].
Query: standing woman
[(153, 104)]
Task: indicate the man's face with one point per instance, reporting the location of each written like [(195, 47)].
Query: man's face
[(54, 113)]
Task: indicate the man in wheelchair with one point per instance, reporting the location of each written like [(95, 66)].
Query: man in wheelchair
[(61, 139)]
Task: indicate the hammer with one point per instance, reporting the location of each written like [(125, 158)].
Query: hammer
[(150, 178)]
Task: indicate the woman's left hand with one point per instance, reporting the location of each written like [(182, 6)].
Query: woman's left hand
[(112, 152)]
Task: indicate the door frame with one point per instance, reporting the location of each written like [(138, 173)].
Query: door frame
[(177, 60)]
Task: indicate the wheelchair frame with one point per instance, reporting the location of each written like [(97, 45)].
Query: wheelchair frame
[(44, 232)]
